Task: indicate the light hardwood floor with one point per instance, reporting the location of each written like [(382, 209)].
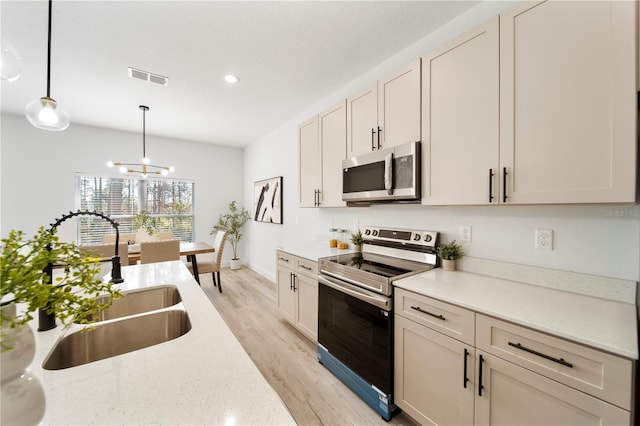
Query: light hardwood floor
[(285, 357)]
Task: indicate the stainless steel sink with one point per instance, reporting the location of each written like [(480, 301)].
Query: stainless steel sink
[(138, 301), (83, 345)]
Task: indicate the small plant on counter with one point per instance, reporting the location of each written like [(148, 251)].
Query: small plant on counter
[(23, 281), (356, 238), (450, 251)]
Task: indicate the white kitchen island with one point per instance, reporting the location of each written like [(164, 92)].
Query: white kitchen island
[(202, 377)]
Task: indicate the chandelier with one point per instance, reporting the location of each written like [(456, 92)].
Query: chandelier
[(145, 167)]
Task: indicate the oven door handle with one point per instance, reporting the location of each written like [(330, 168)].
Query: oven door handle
[(379, 301)]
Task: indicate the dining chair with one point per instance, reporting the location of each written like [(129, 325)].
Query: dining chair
[(159, 251), (124, 238), (106, 251), (213, 266)]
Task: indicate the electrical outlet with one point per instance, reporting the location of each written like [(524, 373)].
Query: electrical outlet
[(544, 239), (465, 233)]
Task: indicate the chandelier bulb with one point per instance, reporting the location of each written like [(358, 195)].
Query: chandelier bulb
[(146, 160), (110, 164), (123, 169)]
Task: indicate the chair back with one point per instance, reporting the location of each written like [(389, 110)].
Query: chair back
[(168, 235), (124, 238), (106, 251), (159, 251), (218, 244)]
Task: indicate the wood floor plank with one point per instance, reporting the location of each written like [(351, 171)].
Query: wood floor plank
[(285, 357)]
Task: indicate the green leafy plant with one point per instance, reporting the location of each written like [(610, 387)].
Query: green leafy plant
[(450, 251), (356, 238), (232, 223), (146, 221), (23, 280)]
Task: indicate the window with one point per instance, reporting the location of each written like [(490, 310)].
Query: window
[(121, 198)]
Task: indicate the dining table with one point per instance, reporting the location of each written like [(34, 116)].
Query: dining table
[(188, 249)]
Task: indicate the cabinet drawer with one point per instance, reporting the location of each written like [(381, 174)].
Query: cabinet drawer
[(448, 319), (285, 259), (597, 373), (307, 267)]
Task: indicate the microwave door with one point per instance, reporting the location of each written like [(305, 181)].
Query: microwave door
[(388, 173)]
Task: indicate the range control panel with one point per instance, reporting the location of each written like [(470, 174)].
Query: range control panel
[(423, 238)]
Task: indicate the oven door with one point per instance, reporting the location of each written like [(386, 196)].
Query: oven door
[(355, 326)]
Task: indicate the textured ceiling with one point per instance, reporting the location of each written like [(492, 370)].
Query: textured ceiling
[(288, 55)]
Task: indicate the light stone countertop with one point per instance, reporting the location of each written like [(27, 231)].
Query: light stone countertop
[(202, 377), (314, 251), (600, 323)]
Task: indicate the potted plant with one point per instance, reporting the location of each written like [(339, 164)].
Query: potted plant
[(356, 239), (23, 281), (146, 225), (449, 253), (232, 223)]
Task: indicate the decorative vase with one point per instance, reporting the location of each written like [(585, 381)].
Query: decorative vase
[(448, 265), (357, 247), (235, 264), (143, 236), (23, 400)]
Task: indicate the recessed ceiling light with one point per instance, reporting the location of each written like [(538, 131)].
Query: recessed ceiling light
[(230, 78)]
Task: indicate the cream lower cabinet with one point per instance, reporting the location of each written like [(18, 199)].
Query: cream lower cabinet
[(456, 367), (297, 292)]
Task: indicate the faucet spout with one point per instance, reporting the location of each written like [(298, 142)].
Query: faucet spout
[(46, 316)]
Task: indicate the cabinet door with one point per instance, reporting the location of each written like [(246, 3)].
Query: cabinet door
[(460, 95), (285, 295), (333, 140), (308, 162), (430, 375), (307, 308), (399, 106), (362, 121), (514, 395), (568, 101)]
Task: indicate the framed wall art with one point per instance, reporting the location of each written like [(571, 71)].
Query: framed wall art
[(267, 197)]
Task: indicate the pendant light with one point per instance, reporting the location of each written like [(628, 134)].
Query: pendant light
[(145, 166), (10, 62), (45, 113)]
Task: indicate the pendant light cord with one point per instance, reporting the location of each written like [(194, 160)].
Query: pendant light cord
[(144, 144), (49, 52)]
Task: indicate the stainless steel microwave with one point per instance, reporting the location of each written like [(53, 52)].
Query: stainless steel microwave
[(391, 174)]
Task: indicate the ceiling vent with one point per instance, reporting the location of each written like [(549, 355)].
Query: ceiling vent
[(147, 76)]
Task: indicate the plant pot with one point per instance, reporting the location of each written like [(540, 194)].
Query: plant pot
[(357, 247), (235, 264), (23, 399), (449, 265)]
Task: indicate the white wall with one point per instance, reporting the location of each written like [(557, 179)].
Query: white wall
[(38, 170), (599, 239)]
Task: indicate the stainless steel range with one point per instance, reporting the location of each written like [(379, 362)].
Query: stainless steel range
[(355, 319)]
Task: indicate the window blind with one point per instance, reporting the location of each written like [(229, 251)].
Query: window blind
[(121, 198)]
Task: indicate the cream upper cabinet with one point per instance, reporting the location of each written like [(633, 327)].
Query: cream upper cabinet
[(399, 106), (362, 121), (386, 113), (322, 147), (309, 163), (333, 142), (568, 102), (460, 132)]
